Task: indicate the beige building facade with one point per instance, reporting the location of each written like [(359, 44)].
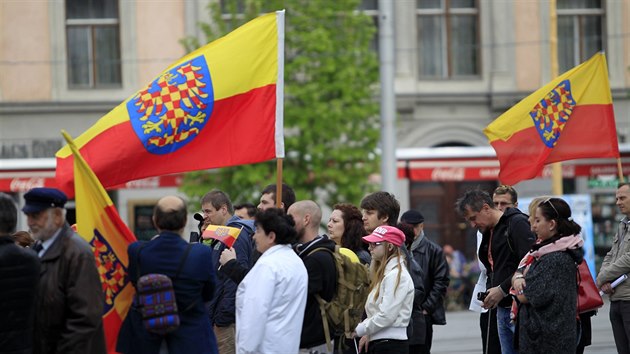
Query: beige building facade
[(459, 65)]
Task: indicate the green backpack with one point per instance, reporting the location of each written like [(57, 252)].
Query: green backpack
[(343, 313)]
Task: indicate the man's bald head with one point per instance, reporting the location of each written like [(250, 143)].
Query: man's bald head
[(170, 214), (308, 208), (307, 216)]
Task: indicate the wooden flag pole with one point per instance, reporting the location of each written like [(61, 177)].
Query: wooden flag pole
[(556, 168), (620, 171), (279, 183)]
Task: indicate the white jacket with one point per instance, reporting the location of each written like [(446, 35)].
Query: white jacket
[(270, 303), (388, 316)]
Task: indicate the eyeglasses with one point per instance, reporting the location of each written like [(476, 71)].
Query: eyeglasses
[(375, 244)]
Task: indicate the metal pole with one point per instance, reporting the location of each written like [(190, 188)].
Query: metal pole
[(388, 105), (556, 168)]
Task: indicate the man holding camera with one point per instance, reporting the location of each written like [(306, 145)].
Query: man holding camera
[(218, 210), (506, 238)]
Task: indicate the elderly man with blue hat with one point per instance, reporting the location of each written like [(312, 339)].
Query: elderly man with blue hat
[(68, 316)]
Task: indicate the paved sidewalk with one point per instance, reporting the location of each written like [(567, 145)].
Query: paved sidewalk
[(462, 334)]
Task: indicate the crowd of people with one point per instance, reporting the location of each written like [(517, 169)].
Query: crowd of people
[(268, 292)]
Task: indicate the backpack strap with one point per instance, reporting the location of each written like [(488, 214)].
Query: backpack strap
[(508, 233), (320, 249), (322, 309), (183, 261), (179, 269), (322, 303), (138, 272)]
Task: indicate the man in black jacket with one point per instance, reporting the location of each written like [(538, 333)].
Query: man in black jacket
[(321, 269), (19, 276), (435, 276), (218, 210), (506, 239)]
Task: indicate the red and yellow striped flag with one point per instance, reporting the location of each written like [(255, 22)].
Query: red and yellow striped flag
[(221, 105), (100, 225), (569, 118), (224, 234)]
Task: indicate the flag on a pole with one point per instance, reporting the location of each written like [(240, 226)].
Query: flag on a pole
[(569, 118), (224, 234), (100, 225), (221, 105)]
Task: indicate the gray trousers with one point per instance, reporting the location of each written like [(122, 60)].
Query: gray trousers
[(620, 321)]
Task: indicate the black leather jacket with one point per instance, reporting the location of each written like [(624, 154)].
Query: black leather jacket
[(417, 325), (431, 258)]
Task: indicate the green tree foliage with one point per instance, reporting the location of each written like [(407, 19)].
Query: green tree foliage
[(331, 113)]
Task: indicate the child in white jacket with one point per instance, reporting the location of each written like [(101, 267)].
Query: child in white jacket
[(388, 306)]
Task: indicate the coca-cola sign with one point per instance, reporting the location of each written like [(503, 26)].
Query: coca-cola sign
[(151, 182), (26, 184), (448, 174)]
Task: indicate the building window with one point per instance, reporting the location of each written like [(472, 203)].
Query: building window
[(230, 7), (580, 31), (93, 44), (448, 38), (370, 8)]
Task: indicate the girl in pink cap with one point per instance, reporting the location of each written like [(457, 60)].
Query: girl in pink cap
[(388, 306)]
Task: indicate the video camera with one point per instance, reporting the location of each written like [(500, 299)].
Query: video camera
[(194, 235), (482, 296)]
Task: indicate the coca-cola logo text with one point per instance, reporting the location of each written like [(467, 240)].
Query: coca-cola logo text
[(26, 184), (448, 174)]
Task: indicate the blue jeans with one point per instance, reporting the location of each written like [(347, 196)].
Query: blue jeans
[(506, 331)]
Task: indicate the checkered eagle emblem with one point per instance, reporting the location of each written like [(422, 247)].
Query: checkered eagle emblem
[(172, 110), (112, 272), (222, 231), (551, 114)]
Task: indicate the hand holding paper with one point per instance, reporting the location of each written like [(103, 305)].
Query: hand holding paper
[(614, 284)]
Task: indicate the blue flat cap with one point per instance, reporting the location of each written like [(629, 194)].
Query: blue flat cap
[(412, 217), (38, 199)]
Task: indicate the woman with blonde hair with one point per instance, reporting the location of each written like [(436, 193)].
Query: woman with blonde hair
[(531, 209), (389, 303)]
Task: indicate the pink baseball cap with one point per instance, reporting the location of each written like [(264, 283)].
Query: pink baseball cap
[(386, 233)]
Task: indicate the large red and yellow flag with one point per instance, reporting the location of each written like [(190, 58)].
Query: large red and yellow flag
[(221, 105), (100, 225), (569, 118)]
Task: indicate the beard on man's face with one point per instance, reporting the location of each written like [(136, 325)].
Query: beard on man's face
[(300, 233), (47, 231)]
